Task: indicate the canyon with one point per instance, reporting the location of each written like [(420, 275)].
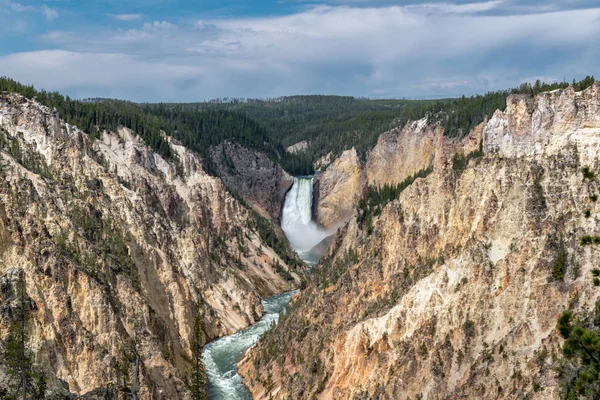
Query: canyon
[(456, 289), (121, 247), (449, 288)]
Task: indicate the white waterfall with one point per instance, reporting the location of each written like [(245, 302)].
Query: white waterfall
[(296, 217)]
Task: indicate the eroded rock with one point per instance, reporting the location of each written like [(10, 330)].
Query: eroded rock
[(453, 294), (120, 247)]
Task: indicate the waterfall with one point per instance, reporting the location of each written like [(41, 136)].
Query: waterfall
[(296, 217)]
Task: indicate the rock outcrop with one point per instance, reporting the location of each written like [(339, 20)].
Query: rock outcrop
[(398, 154), (260, 181), (121, 248), (401, 153), (322, 163), (457, 291), (337, 190), (297, 147), (322, 248)]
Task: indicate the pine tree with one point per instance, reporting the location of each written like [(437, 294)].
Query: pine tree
[(580, 370), (24, 381), (198, 378)]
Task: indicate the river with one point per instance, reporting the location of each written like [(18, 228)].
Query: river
[(221, 356)]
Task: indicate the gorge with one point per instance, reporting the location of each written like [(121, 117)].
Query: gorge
[(221, 356), (435, 264), (453, 288)]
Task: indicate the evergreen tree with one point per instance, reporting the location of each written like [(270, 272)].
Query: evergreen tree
[(24, 382), (580, 370), (125, 383), (198, 376)]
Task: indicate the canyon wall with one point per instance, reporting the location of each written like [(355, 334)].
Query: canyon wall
[(456, 292), (252, 175), (120, 249), (337, 190), (398, 154)]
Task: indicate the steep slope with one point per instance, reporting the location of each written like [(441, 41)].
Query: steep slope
[(121, 248), (260, 181), (337, 190), (398, 154), (457, 291)]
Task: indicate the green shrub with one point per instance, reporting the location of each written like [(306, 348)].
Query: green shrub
[(560, 262), (588, 173), (460, 162), (588, 240), (538, 199), (469, 328), (283, 272), (579, 370)]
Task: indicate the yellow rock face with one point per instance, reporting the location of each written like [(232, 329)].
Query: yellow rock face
[(402, 152), (117, 247), (397, 155), (338, 189), (453, 294)]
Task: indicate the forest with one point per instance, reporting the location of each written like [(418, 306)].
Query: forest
[(329, 123), (196, 130)]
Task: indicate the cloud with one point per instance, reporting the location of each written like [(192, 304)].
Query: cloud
[(438, 49), (128, 17), (49, 13), (508, 6), (16, 7)]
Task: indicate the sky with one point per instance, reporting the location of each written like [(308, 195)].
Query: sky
[(171, 50)]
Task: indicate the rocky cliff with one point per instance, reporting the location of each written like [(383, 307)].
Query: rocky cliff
[(400, 153), (251, 174), (337, 190), (457, 290), (397, 155), (120, 248), (297, 147)]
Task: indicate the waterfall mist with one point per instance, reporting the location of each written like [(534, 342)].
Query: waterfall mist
[(296, 217)]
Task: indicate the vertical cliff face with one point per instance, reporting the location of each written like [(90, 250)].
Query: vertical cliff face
[(398, 154), (457, 291), (338, 189), (260, 181), (120, 246)]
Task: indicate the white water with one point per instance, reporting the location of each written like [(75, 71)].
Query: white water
[(296, 219), (221, 356)]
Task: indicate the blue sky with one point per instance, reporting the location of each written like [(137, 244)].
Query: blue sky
[(170, 50)]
